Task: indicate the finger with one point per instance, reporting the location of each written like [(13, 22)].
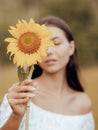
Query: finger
[(34, 84), (29, 82), (13, 86), (13, 102), (20, 95), (25, 89), (26, 82)]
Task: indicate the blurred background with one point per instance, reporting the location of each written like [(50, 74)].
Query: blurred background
[(82, 17)]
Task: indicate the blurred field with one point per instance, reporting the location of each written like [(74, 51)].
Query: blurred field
[(8, 76), (90, 81), (89, 77)]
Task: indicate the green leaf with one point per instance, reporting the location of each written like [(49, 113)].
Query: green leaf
[(22, 75)]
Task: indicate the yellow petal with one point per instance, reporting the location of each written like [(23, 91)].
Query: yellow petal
[(12, 40)]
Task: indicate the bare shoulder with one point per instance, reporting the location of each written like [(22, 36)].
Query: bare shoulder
[(83, 102)]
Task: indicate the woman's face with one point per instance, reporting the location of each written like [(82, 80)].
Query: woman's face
[(58, 55)]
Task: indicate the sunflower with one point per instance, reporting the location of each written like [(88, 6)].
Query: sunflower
[(28, 43)]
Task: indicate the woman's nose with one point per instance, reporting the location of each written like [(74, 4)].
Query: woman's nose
[(50, 50)]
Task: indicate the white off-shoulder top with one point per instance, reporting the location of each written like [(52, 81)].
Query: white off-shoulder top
[(41, 119)]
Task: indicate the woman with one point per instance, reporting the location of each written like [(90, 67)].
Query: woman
[(58, 100)]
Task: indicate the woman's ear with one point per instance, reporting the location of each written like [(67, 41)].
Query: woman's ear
[(72, 48)]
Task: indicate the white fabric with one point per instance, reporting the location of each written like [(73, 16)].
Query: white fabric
[(41, 119)]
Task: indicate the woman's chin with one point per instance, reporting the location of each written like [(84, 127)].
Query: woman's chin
[(51, 70)]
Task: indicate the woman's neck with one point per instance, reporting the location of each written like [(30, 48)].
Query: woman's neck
[(55, 82)]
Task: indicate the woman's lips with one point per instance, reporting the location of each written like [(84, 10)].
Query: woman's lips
[(50, 62)]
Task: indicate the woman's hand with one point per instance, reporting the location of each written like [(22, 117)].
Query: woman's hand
[(19, 94)]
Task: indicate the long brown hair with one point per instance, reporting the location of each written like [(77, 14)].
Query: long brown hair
[(72, 68)]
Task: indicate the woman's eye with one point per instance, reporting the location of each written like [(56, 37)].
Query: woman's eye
[(57, 42)]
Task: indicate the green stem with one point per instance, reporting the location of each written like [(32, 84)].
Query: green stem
[(30, 72), (27, 116), (28, 104), (22, 75)]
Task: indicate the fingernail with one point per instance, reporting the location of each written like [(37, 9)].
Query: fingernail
[(35, 83), (31, 95), (33, 88)]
